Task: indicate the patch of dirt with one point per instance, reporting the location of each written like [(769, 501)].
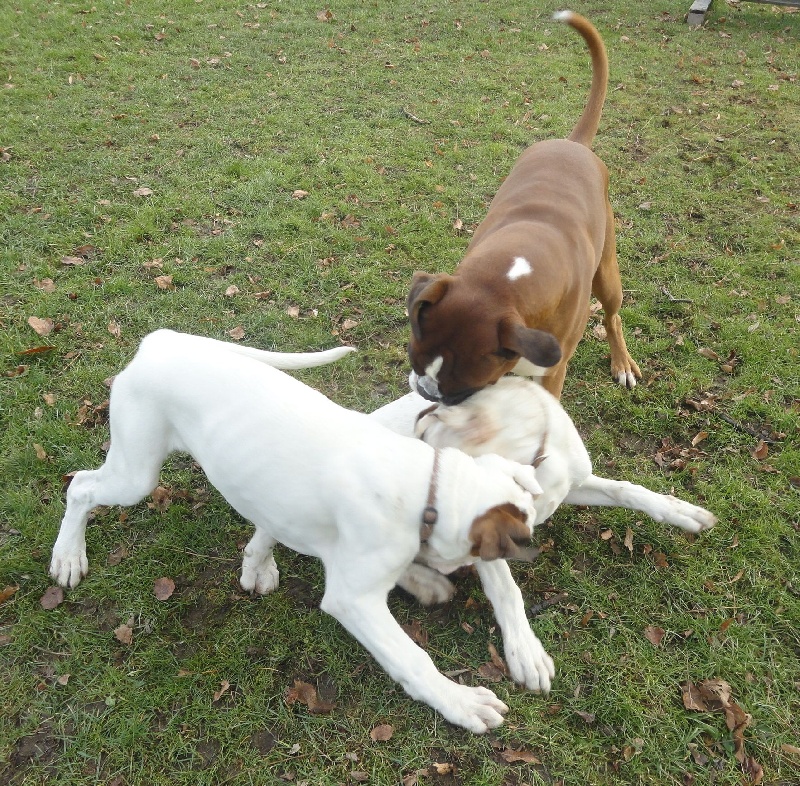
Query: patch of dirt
[(263, 741)]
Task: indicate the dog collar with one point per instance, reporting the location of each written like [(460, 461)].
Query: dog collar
[(430, 514)]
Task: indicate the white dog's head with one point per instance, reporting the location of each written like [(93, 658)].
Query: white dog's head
[(509, 418)]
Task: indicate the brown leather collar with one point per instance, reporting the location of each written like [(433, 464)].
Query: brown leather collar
[(430, 514)]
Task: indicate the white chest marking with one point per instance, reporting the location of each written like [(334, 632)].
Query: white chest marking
[(520, 267)]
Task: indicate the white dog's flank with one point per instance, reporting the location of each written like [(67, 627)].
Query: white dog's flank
[(518, 419), (324, 481)]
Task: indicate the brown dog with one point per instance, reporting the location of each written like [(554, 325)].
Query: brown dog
[(520, 297)]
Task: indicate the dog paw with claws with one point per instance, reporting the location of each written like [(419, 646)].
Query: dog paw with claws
[(261, 579), (528, 662), (476, 709), (68, 565)]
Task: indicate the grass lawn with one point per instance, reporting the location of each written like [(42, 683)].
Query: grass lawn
[(274, 173)]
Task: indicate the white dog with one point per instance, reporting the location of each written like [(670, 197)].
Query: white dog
[(327, 482), (518, 419)]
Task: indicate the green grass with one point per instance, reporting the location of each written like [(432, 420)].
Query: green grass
[(223, 110)]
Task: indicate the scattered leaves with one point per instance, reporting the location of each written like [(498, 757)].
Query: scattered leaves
[(163, 588), (586, 717), (416, 633), (760, 451), (53, 596), (716, 696)]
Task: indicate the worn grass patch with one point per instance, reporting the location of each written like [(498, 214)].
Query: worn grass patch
[(150, 161)]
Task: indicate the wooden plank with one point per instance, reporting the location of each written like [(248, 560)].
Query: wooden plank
[(697, 12)]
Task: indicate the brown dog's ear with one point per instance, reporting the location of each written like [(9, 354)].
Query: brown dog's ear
[(537, 346), (426, 289), (500, 533)]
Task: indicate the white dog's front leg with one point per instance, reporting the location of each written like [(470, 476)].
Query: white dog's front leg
[(69, 564), (367, 617), (527, 661), (660, 507)]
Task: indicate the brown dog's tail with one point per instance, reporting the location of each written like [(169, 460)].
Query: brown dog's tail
[(586, 127)]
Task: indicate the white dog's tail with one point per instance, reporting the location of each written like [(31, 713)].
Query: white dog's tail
[(289, 361)]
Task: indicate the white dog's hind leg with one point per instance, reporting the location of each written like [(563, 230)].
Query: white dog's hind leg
[(364, 613), (527, 661), (117, 482), (259, 571), (660, 507), (427, 585)]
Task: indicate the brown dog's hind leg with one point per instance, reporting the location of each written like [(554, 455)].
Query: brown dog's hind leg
[(607, 288)]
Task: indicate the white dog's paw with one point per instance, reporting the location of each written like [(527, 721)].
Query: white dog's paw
[(262, 578), (428, 586), (687, 516), (476, 709), (528, 662), (68, 564)]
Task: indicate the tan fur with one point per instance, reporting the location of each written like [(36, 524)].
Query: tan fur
[(553, 211), (499, 533)]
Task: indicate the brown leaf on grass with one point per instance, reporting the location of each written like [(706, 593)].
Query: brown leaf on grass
[(761, 451), (587, 717), (416, 633), (72, 261), (699, 437), (511, 756), (490, 672), (496, 659), (224, 687), (237, 333), (299, 194), (63, 679), (163, 588), (654, 634), (606, 534), (293, 311), (33, 351), (124, 633), (359, 776), (716, 696), (382, 733), (41, 453), (53, 596), (306, 694), (8, 592), (46, 285), (115, 557), (143, 192), (42, 326), (326, 15), (232, 290), (628, 542), (162, 499), (115, 328), (164, 282)]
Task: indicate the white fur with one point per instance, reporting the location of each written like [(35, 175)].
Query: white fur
[(518, 419), (520, 267), (320, 479)]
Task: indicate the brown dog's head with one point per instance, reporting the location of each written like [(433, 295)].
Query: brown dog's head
[(501, 533), (463, 340)]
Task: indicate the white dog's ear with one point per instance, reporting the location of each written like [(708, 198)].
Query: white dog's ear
[(501, 533)]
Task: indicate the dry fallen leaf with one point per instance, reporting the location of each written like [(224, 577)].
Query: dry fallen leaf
[(416, 633), (72, 261), (232, 290), (163, 588), (45, 285), (654, 634), (761, 451), (299, 194), (41, 453), (511, 756), (237, 333), (53, 596), (114, 328), (306, 694), (63, 679), (162, 499), (224, 687), (293, 311), (349, 324), (382, 733), (41, 326), (7, 592), (124, 634), (143, 192), (628, 542), (164, 282)]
